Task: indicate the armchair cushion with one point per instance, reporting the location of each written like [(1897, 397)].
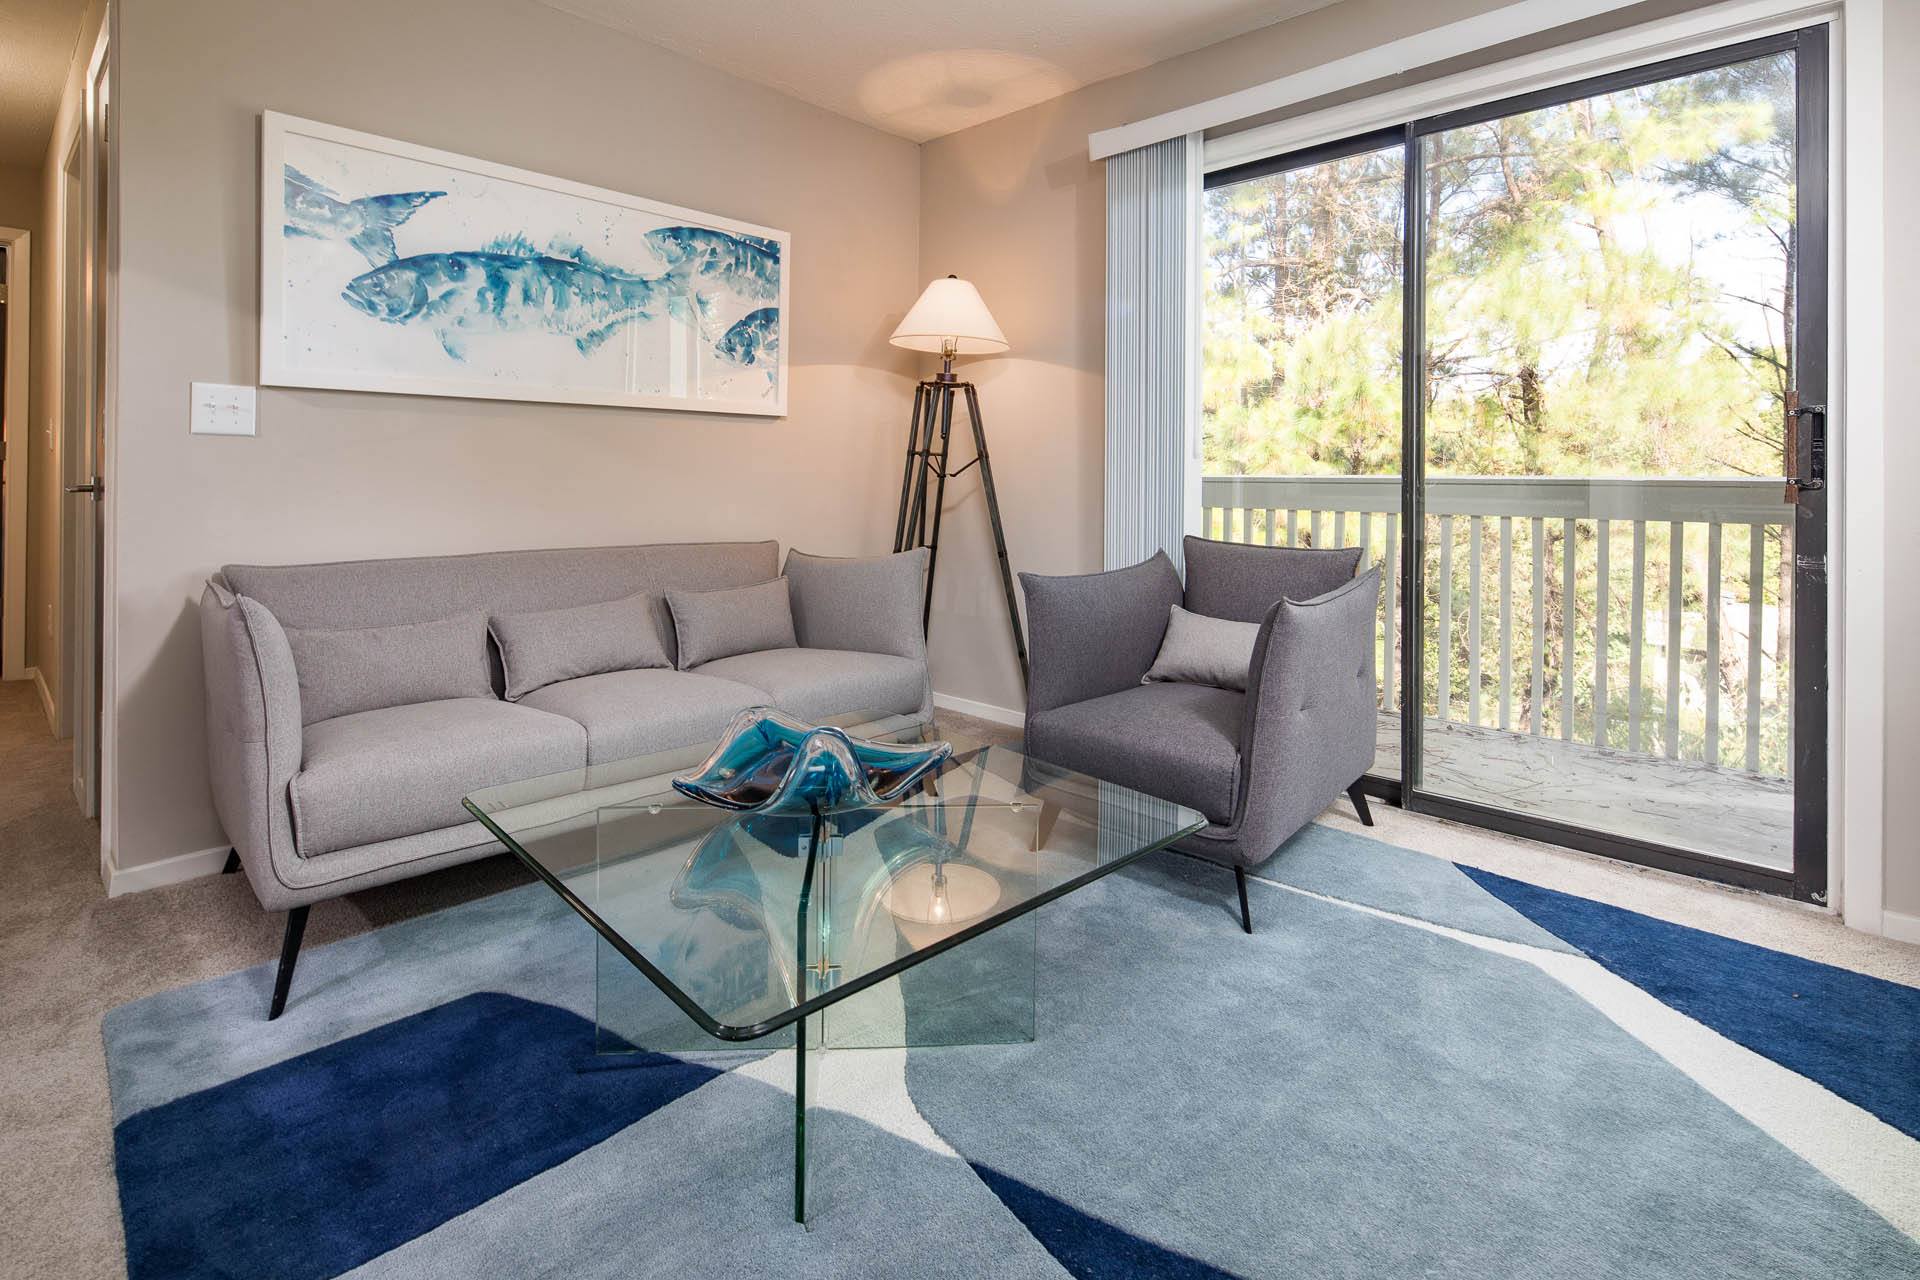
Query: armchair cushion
[(1095, 633), (1203, 650), (1180, 742), (1242, 582), (869, 604)]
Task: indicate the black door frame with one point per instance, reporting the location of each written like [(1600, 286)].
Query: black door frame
[(1808, 878)]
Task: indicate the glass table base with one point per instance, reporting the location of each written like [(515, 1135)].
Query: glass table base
[(978, 993)]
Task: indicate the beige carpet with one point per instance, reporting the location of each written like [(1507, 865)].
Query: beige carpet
[(68, 954)]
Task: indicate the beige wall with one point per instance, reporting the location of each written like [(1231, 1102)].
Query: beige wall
[(336, 474), (1902, 336), (20, 197), (1016, 206)]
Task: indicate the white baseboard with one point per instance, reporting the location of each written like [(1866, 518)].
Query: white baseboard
[(46, 699), (1900, 926), (984, 710), (176, 870)]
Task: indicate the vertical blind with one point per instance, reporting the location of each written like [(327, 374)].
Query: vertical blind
[(1153, 348)]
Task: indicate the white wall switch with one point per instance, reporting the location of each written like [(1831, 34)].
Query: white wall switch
[(221, 410)]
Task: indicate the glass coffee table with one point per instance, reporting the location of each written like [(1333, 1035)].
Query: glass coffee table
[(906, 924)]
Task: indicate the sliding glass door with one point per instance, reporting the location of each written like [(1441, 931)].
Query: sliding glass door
[(1301, 435), (1553, 362)]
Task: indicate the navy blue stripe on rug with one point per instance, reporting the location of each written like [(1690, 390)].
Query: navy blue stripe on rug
[(308, 1168), (1091, 1248), (1857, 1035)]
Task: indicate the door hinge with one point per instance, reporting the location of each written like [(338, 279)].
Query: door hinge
[(1816, 478)]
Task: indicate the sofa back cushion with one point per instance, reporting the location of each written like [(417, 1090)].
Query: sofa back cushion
[(865, 604), (544, 647), (362, 668), (719, 624), (1242, 582), (381, 593)]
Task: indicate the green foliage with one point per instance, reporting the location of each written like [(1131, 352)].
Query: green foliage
[(1608, 292)]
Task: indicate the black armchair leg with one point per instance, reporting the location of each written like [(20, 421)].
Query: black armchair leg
[(1359, 798), (1246, 915), (289, 955), (233, 862)]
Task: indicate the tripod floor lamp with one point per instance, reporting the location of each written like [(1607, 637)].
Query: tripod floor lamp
[(949, 319)]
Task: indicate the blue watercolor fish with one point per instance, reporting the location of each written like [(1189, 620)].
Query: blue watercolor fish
[(752, 341), (747, 265), (367, 223), (508, 287)]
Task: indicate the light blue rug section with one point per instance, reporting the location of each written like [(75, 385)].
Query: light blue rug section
[(525, 942), (1354, 868), (1340, 1094)]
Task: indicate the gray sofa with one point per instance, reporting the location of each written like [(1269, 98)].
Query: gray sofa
[(1260, 764), (329, 778)]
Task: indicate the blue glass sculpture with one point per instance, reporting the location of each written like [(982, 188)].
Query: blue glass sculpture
[(768, 762)]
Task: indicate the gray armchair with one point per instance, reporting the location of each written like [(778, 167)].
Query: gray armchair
[(1258, 765)]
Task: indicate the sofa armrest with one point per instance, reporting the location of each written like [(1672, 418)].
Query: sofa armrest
[(253, 731), (868, 604), (1096, 633), (1309, 729)]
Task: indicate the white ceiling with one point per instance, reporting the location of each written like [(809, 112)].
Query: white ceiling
[(36, 45), (924, 68)]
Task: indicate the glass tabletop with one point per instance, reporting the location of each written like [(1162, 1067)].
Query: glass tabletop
[(751, 922)]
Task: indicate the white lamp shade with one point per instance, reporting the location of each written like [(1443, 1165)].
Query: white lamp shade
[(950, 311)]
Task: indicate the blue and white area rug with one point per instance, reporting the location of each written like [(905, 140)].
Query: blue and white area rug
[(1411, 1069)]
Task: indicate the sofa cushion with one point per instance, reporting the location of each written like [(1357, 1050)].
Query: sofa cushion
[(397, 771), (1239, 581), (631, 713), (363, 668), (816, 683), (551, 645), (719, 624), (1180, 742), (870, 604)]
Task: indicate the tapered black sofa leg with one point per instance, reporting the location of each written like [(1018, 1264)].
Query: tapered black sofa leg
[(289, 955), (1240, 882), (1359, 798), (233, 862)]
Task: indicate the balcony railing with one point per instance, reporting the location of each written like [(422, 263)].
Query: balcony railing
[(1647, 616)]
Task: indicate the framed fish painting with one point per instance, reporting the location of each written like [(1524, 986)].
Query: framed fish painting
[(391, 267)]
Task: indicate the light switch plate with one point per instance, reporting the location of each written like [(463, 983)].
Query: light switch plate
[(222, 410)]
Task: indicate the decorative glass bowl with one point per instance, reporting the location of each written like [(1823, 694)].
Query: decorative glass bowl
[(768, 762)]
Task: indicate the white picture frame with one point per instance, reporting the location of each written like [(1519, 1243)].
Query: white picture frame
[(391, 267)]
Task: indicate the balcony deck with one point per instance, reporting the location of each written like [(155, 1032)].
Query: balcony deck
[(1728, 813)]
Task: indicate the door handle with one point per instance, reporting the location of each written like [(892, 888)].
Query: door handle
[(96, 488)]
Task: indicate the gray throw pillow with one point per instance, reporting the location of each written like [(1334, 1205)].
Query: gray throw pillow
[(868, 604), (543, 648), (719, 624), (1203, 650), (342, 672)]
